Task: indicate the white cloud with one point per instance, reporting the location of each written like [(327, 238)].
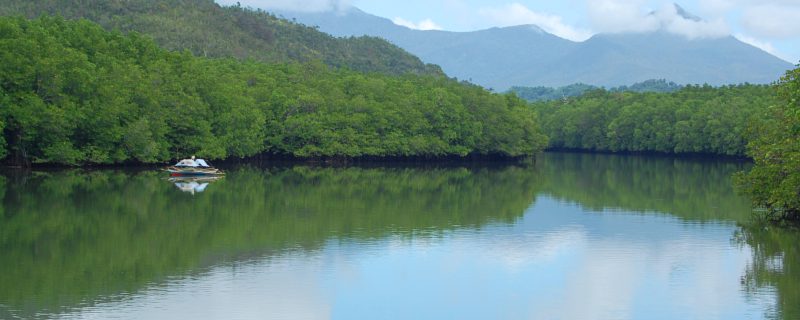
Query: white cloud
[(292, 5), (718, 7), (426, 24), (279, 288), (518, 14), (673, 22), (617, 16), (773, 20)]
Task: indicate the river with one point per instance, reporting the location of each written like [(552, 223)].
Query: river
[(571, 236)]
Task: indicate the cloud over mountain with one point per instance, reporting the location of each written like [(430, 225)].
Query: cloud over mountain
[(518, 14), (773, 25), (619, 16), (426, 24)]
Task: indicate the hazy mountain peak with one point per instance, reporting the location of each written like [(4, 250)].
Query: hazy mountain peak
[(534, 28), (676, 20), (680, 12), (522, 27), (685, 14)]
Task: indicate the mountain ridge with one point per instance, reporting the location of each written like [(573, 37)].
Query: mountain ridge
[(526, 55)]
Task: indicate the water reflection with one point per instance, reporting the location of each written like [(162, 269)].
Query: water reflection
[(70, 238), (193, 184), (775, 267), (695, 190), (573, 237)]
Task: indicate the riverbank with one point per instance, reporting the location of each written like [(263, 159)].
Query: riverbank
[(273, 158), (683, 155)]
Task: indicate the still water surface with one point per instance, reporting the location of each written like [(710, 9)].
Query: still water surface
[(573, 236)]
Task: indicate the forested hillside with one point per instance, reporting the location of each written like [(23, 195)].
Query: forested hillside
[(74, 93), (207, 29), (695, 119), (534, 94)]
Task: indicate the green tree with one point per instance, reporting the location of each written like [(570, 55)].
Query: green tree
[(774, 181), (694, 119)]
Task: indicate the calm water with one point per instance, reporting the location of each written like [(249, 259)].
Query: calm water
[(571, 237)]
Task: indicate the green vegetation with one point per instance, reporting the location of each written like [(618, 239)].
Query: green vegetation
[(695, 119), (209, 30), (774, 181), (534, 94), (73, 93)]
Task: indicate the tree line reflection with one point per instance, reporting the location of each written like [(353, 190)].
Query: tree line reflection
[(72, 237)]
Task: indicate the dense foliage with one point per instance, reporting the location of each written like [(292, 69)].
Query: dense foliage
[(652, 85), (73, 93), (207, 29), (548, 93), (534, 94), (774, 182), (695, 119)]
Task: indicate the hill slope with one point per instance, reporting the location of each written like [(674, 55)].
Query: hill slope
[(207, 29), (527, 56)]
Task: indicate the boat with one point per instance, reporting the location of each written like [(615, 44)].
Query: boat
[(193, 167)]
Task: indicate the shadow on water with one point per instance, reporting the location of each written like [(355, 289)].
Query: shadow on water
[(72, 238)]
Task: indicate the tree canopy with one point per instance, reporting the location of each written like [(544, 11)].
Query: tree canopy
[(534, 94), (774, 181), (695, 119), (74, 93)]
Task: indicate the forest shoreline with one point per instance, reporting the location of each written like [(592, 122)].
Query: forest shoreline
[(493, 159), (496, 158)]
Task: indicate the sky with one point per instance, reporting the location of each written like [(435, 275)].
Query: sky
[(772, 25)]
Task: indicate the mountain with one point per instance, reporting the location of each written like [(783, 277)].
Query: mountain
[(526, 55), (208, 29), (618, 59), (685, 14)]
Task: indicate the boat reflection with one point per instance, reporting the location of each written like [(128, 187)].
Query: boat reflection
[(194, 184)]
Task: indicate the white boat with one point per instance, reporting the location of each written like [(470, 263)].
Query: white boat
[(193, 167)]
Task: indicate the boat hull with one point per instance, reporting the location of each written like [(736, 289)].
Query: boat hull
[(179, 172)]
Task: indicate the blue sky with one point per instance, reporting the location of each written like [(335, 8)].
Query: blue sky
[(772, 25)]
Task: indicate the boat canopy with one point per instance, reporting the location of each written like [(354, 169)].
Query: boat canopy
[(194, 163)]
